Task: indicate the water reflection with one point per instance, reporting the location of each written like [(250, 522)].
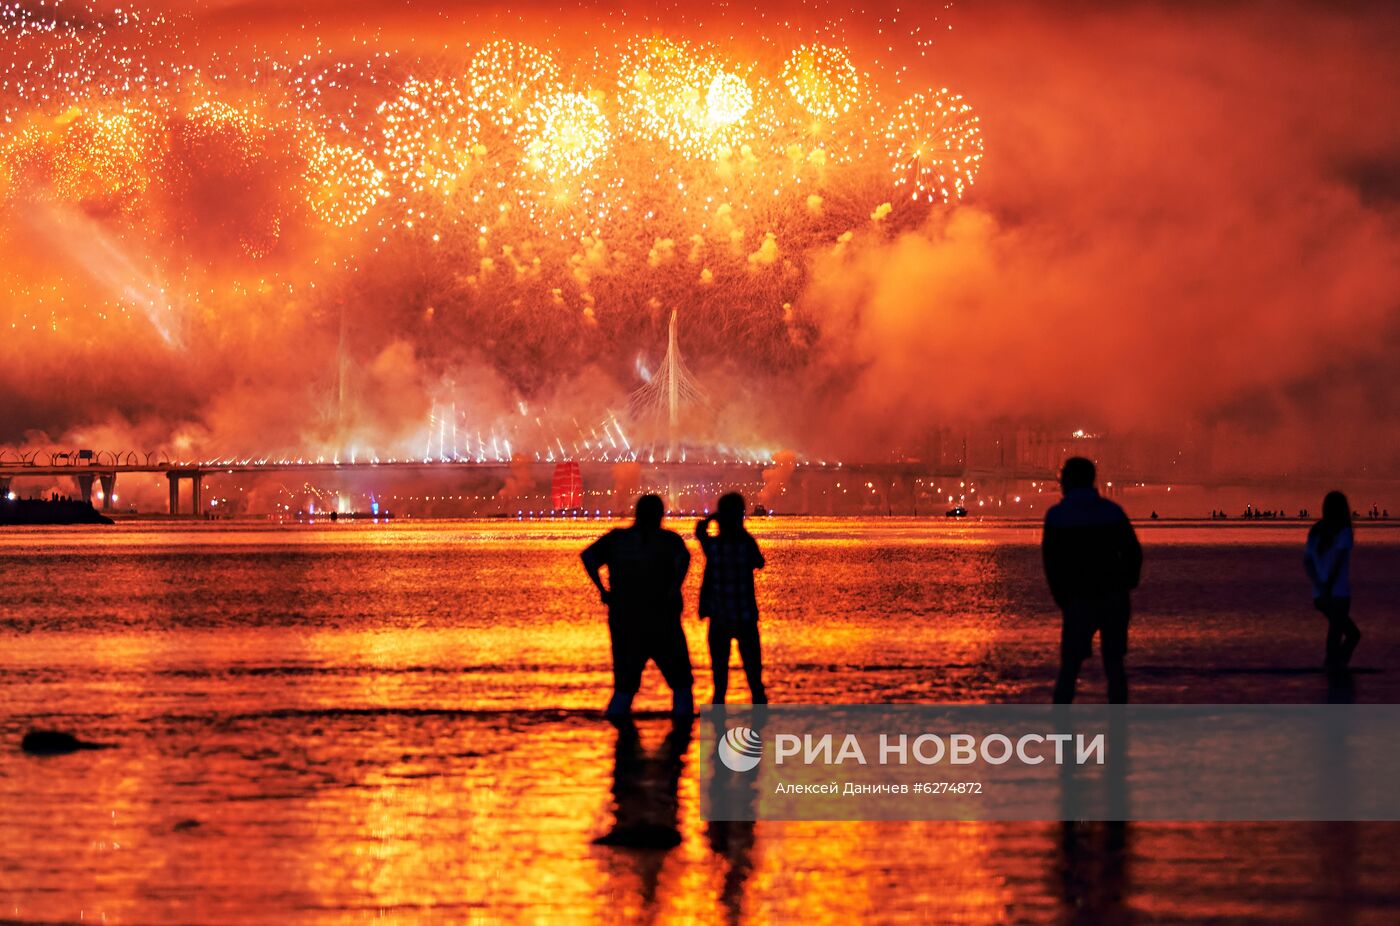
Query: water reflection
[(1094, 861), (733, 841), (646, 787), (402, 726), (1092, 873)]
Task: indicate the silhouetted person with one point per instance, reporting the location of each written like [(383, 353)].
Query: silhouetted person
[(1092, 562), (1327, 558), (727, 595), (646, 567)]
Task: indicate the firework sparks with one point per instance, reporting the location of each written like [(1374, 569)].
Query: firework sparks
[(823, 81), (533, 190), (342, 182), (565, 134), (430, 136), (507, 77), (935, 146), (471, 146)]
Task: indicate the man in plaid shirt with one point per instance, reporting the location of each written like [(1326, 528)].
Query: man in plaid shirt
[(727, 595)]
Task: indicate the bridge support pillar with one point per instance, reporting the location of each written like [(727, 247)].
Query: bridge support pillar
[(4, 487), (109, 488), (196, 491), (85, 486)]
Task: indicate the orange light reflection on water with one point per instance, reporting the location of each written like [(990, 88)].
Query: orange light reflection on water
[(341, 724)]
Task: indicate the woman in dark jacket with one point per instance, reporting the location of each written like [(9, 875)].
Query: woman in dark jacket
[(727, 596), (1327, 559)]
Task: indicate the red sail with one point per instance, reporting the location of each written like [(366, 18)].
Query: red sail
[(567, 490)]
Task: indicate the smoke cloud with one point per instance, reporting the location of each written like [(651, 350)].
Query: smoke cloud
[(775, 477), (1189, 218)]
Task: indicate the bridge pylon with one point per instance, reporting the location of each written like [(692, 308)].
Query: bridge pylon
[(671, 389), (196, 478)]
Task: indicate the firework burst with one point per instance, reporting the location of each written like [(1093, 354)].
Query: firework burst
[(506, 78), (650, 173), (342, 183), (430, 137), (934, 142)]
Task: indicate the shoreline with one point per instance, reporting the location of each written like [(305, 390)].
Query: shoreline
[(161, 518)]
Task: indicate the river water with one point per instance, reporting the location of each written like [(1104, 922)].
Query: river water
[(346, 723)]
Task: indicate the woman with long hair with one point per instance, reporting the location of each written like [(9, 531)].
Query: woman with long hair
[(1327, 558)]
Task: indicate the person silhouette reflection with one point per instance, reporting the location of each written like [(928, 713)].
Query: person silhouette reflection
[(1093, 870), (646, 568), (736, 793), (1092, 562), (646, 787)]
